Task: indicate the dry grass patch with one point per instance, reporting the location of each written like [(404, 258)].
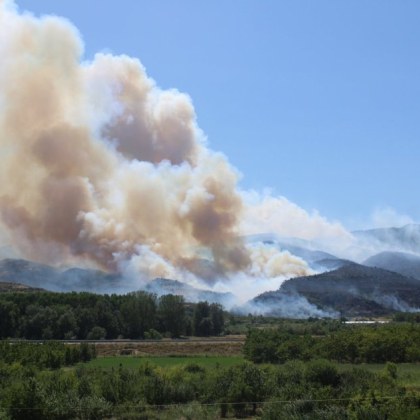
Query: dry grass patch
[(172, 348)]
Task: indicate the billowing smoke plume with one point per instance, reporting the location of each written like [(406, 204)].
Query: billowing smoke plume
[(268, 214), (98, 165)]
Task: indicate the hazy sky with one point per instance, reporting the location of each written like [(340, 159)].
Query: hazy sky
[(317, 100)]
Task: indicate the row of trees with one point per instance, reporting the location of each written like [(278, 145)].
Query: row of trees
[(47, 315), (407, 317), (354, 344), (315, 390)]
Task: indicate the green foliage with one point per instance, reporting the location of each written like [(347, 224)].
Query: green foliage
[(171, 314), (360, 344), (261, 345), (152, 334), (47, 315), (293, 390), (391, 370), (407, 317), (138, 311), (208, 319), (166, 362), (96, 333), (322, 372), (239, 324), (51, 355)]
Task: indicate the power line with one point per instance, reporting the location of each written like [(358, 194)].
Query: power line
[(354, 399)]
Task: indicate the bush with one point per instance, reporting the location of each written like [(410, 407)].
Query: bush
[(152, 335), (97, 333), (322, 372)]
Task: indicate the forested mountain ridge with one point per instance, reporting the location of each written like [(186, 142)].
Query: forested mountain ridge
[(405, 238), (41, 276), (44, 276), (352, 290), (399, 262), (161, 286)]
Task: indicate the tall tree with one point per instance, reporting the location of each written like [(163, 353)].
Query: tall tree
[(203, 325), (171, 314), (138, 313)]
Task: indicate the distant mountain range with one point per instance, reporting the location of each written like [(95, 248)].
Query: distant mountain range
[(402, 239), (383, 283), (17, 287), (352, 290), (308, 251), (166, 286), (43, 276), (400, 262), (20, 275)]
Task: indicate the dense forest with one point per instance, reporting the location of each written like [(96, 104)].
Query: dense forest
[(47, 315)]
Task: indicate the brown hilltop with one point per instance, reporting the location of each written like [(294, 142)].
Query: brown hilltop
[(17, 287)]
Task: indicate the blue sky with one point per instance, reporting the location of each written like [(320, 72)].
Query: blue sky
[(318, 100)]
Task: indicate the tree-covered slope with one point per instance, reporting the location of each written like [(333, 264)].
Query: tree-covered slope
[(352, 290)]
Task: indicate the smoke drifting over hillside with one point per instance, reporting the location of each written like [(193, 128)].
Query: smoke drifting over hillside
[(99, 166)]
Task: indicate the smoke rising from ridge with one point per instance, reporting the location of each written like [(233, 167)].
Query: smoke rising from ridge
[(100, 166)]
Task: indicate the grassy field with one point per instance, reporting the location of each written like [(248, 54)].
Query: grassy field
[(408, 374), (134, 362)]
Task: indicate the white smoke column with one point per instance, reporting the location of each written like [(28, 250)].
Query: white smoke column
[(267, 214), (100, 165), (270, 267)]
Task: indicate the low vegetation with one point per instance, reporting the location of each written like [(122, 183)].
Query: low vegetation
[(49, 355), (352, 344), (135, 362), (316, 389)]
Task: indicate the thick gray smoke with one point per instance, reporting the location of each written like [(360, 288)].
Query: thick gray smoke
[(101, 167)]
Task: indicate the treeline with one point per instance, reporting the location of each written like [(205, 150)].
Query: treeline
[(295, 390), (47, 315), (354, 344), (49, 355), (240, 324), (407, 317)]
